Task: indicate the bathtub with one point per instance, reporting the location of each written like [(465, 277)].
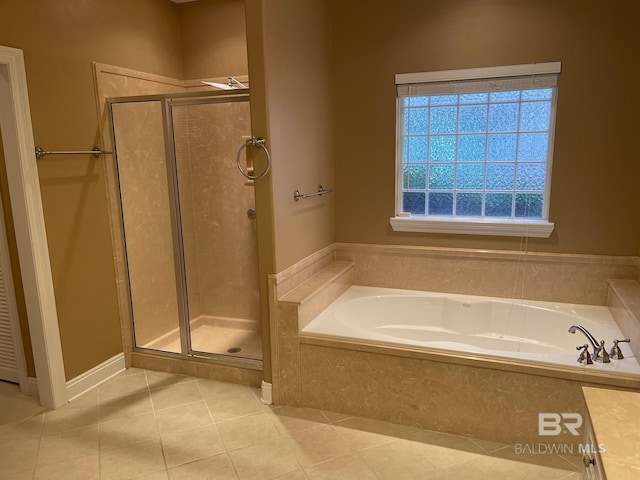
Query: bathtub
[(529, 331)]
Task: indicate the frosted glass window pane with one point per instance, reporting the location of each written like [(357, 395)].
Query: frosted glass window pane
[(498, 204), (413, 202), (414, 177), (441, 204), (474, 98), (531, 176), (501, 147), (529, 205), (469, 204), (470, 177), (538, 94), (442, 148), (441, 177), (505, 96), (473, 119), (503, 117), (443, 119), (471, 148), (418, 101), (417, 149), (444, 100), (418, 121), (500, 177), (535, 116), (533, 146)]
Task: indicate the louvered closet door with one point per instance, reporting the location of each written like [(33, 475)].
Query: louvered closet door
[(9, 326), (8, 359)]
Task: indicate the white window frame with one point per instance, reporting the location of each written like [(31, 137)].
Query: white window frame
[(536, 227)]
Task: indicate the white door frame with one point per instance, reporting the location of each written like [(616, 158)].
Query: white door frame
[(31, 237)]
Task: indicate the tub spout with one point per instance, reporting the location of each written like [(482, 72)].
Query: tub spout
[(590, 337)]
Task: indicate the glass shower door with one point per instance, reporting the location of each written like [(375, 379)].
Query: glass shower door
[(217, 219), (147, 222)]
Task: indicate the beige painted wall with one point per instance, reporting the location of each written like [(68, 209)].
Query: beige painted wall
[(214, 39), (594, 192), (297, 67), (60, 40)]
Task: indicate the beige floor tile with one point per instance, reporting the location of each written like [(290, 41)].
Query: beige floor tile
[(81, 468), (190, 445), (218, 467), (319, 444), (573, 476), (399, 459), (183, 417), (28, 430), (126, 431), (161, 475), (214, 388), (16, 408), (87, 399), (175, 395), (349, 467), (265, 461), (363, 433), (165, 379), (289, 420), (68, 418), (246, 431), (442, 449), (335, 416), (227, 407), (123, 384), (28, 475), (18, 457), (489, 446), (68, 445), (123, 407), (533, 462), (131, 461), (295, 475)]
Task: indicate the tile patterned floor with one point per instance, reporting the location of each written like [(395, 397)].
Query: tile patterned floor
[(157, 426)]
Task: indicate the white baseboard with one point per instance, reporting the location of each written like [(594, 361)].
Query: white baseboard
[(96, 376), (31, 387)]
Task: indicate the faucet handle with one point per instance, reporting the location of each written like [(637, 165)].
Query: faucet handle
[(585, 356), (616, 353), (601, 354)]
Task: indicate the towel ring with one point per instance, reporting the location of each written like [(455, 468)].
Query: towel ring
[(256, 142)]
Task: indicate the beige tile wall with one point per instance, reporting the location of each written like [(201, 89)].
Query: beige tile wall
[(509, 274)]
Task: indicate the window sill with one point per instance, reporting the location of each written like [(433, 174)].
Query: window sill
[(473, 226)]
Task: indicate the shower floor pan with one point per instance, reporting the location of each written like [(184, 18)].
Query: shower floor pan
[(220, 335)]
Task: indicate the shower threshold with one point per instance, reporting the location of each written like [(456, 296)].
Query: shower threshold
[(234, 337)]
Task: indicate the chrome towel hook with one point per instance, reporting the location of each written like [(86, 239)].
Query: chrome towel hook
[(258, 142)]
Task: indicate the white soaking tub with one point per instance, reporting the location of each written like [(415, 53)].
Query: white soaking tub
[(531, 331)]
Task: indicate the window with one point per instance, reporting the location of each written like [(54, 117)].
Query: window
[(474, 150)]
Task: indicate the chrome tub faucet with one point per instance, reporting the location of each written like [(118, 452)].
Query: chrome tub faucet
[(599, 352)]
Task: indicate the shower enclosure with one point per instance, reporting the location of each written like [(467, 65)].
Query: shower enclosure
[(188, 218)]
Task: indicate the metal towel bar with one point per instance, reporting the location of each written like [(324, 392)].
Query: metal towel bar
[(321, 191), (96, 152)]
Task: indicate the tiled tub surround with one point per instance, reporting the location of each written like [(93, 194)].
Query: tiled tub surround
[(456, 393), (624, 304)]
